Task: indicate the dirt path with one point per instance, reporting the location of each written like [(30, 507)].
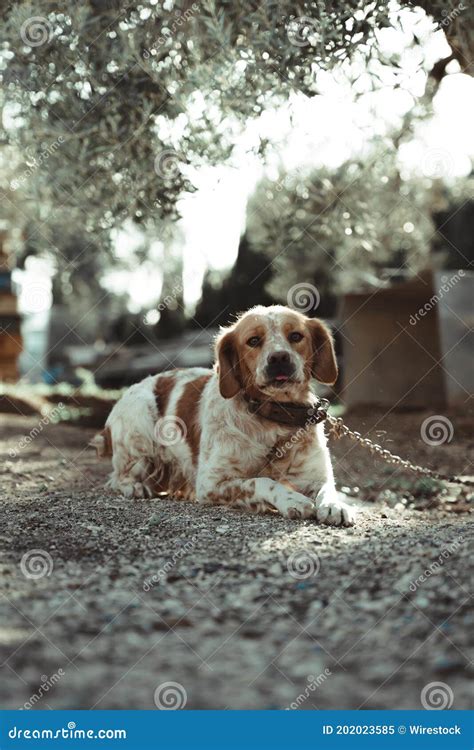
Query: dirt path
[(241, 611)]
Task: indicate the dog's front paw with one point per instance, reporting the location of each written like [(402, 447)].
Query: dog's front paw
[(335, 513), (131, 490), (302, 509), (292, 504)]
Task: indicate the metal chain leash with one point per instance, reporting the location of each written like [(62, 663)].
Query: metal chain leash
[(338, 429)]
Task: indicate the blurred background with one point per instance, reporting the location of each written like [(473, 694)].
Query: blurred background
[(167, 165), (164, 166)]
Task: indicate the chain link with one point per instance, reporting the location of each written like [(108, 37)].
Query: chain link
[(338, 429)]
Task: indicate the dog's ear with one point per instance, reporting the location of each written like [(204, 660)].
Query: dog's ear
[(323, 362), (230, 382)]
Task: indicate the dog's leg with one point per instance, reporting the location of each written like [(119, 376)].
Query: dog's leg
[(134, 481), (330, 509), (131, 472), (259, 495), (315, 479)]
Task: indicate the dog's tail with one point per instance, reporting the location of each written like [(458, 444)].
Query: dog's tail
[(102, 442)]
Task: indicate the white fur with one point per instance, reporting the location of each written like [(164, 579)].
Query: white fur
[(276, 341)]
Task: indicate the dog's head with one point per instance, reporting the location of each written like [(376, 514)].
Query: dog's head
[(274, 351)]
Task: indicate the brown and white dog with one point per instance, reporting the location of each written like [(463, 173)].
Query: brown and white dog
[(191, 433)]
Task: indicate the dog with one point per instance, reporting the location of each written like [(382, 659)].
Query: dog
[(246, 433)]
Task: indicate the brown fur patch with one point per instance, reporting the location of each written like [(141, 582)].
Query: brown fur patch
[(230, 377), (324, 363), (187, 410), (163, 387), (232, 494), (167, 478)]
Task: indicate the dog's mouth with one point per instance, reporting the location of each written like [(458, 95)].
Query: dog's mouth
[(280, 381), (280, 375)]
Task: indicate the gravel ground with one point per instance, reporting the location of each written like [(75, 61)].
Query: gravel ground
[(240, 611)]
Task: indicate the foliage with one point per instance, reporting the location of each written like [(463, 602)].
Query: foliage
[(110, 101), (345, 225), (107, 104)]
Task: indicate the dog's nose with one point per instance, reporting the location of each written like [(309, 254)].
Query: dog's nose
[(278, 358)]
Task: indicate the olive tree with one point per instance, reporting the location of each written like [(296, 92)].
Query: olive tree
[(108, 104)]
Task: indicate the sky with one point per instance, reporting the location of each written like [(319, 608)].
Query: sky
[(324, 130)]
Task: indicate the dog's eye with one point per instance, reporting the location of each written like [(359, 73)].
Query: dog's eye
[(253, 341), (295, 337)]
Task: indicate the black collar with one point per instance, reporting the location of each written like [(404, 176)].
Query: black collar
[(293, 415)]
